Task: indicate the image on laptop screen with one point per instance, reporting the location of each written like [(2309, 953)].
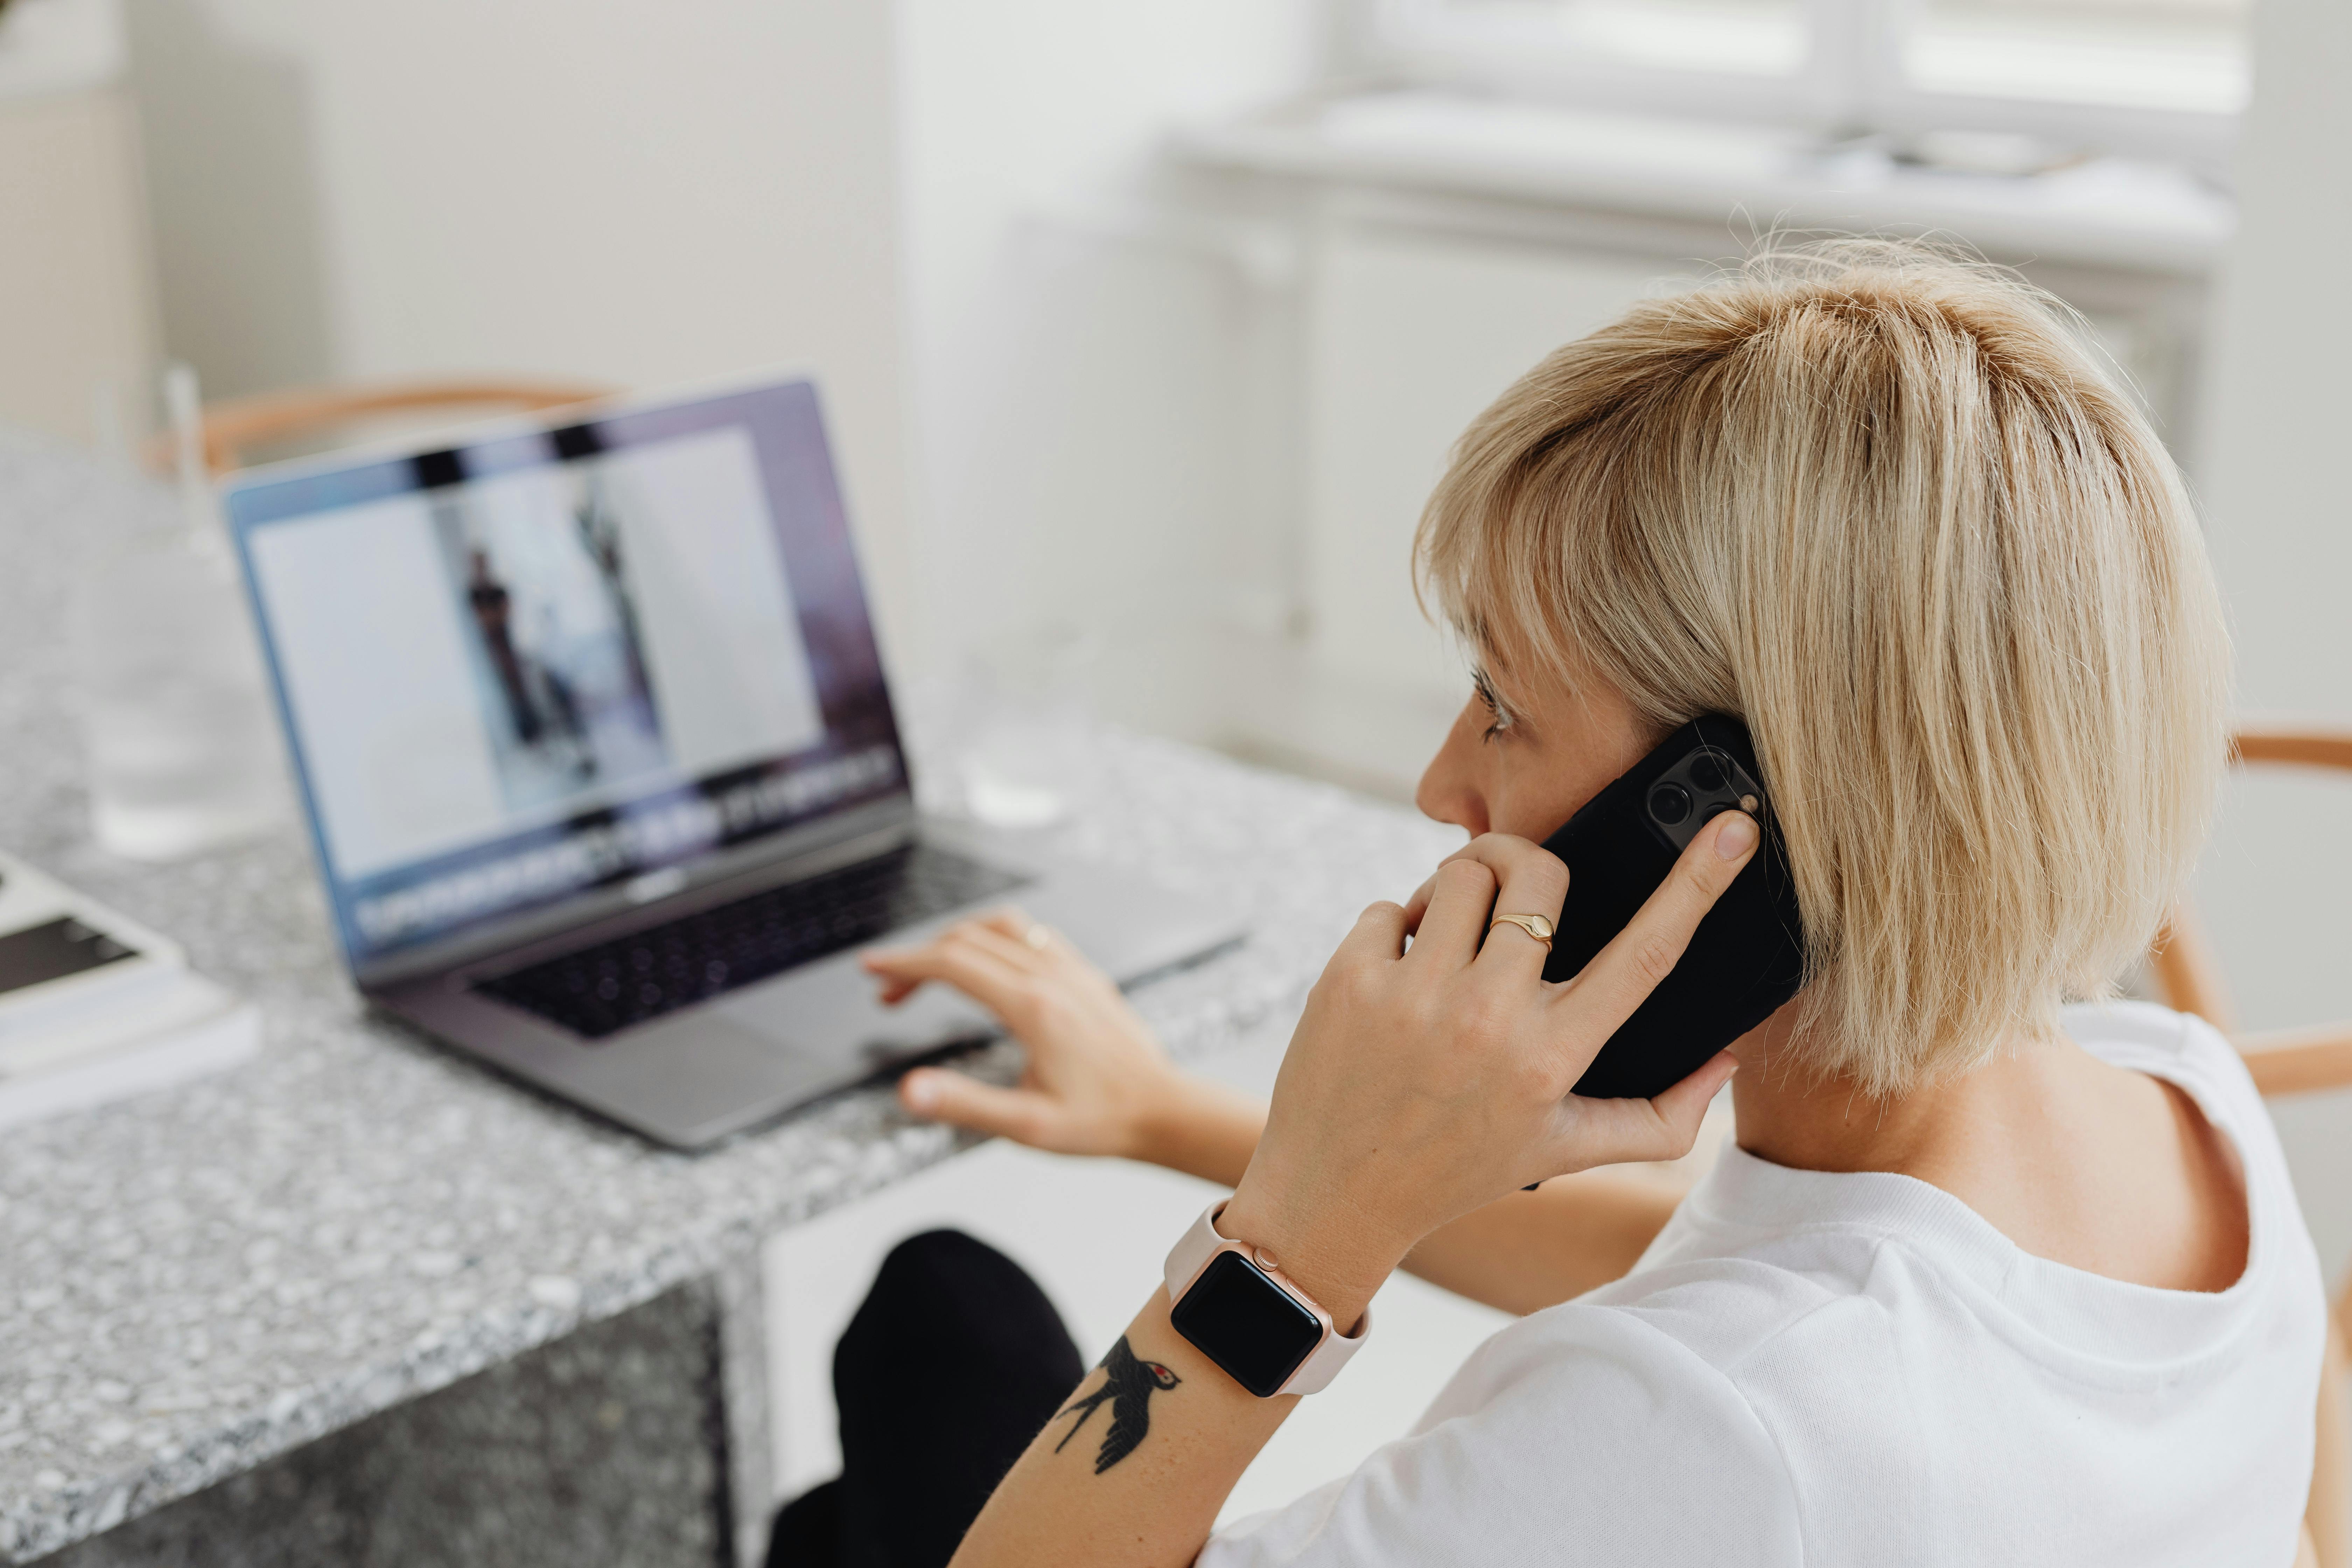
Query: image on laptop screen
[(552, 661)]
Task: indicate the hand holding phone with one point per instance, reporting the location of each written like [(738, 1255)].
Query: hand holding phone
[(1747, 957)]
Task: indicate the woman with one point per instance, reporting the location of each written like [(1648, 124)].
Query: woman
[(1986, 1277)]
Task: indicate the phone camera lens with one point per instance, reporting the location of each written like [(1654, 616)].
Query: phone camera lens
[(1706, 771), (1670, 804)]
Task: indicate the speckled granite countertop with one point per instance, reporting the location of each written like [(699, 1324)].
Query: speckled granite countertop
[(200, 1277)]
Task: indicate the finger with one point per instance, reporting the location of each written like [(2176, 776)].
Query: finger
[(1639, 958), (1683, 1107), (1009, 947), (894, 986), (981, 933), (1035, 940), (1455, 920), (1378, 934), (1531, 880), (1622, 1131), (979, 975), (1007, 933), (935, 1094), (1417, 906)]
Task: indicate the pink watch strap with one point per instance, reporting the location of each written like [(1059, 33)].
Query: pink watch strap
[(1202, 1242)]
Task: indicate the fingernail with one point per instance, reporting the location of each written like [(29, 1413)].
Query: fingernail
[(919, 1090), (1736, 836)]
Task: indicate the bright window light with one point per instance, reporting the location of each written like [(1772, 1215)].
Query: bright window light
[(2162, 78), (1745, 38), (2127, 54)]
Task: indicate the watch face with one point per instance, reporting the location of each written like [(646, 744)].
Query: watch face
[(1247, 1323)]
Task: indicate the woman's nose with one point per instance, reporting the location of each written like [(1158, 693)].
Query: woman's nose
[(1449, 786)]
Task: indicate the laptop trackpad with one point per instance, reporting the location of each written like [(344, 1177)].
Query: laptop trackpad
[(693, 1071), (834, 1002)]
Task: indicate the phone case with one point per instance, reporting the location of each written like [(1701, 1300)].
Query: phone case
[(1747, 957)]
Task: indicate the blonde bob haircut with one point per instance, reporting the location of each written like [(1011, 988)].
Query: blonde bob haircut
[(1884, 504)]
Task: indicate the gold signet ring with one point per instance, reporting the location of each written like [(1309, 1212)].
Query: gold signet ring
[(1535, 926)]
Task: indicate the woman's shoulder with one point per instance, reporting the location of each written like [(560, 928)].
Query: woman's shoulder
[(2184, 1049), (1765, 1266), (2152, 1038), (2116, 1030)]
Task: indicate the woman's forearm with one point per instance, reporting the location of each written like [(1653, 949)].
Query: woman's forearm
[(1131, 1471), (1521, 1254), (1201, 1128), (1532, 1250)]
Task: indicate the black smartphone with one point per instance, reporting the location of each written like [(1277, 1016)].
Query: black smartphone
[(1748, 956)]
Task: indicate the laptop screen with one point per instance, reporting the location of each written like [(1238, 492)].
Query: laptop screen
[(558, 658)]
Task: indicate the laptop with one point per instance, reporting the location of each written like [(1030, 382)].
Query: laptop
[(602, 771)]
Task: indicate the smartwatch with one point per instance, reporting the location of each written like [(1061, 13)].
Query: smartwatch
[(1233, 1302)]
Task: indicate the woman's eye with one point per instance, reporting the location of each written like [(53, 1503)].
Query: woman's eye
[(1485, 691)]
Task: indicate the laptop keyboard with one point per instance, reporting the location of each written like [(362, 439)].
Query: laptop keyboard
[(598, 991)]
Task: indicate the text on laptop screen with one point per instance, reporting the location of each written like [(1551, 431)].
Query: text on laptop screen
[(558, 658)]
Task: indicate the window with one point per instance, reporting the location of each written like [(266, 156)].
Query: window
[(2179, 55), (2156, 77)]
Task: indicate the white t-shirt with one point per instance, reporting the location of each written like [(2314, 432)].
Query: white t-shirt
[(1857, 1369)]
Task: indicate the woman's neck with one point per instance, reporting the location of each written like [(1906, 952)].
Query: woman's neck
[(2073, 1159), (1794, 1117)]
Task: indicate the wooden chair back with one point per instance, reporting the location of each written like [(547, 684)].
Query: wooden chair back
[(2284, 1061), (235, 427)]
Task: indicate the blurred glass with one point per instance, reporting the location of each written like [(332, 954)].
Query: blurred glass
[(2179, 55), (1020, 732), (177, 730), (182, 749)]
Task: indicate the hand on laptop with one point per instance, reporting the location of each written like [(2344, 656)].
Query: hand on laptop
[(1097, 1083)]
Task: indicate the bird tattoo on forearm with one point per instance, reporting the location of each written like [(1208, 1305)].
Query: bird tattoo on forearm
[(1129, 1387)]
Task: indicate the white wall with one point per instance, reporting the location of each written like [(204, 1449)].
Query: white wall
[(648, 193), (604, 188), (77, 294), (2273, 889), (1076, 426), (1411, 334)]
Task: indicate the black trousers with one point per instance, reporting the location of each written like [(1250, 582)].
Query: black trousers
[(951, 1364)]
